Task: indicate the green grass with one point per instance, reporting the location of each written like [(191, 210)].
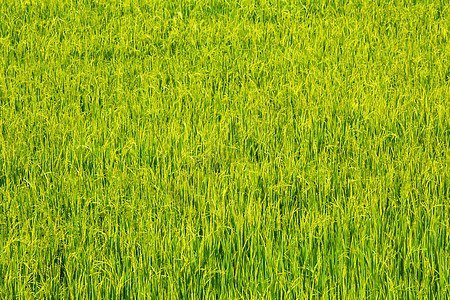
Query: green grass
[(224, 149)]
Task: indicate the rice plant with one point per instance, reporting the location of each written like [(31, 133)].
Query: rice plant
[(218, 149)]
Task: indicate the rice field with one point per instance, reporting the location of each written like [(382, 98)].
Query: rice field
[(224, 149)]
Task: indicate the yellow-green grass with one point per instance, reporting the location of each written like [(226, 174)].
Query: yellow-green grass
[(224, 149)]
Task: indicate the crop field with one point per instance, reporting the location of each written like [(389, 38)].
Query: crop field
[(224, 149)]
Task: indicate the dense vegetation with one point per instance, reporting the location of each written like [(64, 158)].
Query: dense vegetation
[(224, 149)]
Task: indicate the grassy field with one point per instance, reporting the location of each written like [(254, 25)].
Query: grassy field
[(224, 149)]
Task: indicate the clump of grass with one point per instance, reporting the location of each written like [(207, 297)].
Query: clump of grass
[(224, 149)]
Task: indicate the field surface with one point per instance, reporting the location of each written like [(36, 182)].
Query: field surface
[(224, 149)]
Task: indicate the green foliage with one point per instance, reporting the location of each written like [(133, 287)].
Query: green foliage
[(224, 149)]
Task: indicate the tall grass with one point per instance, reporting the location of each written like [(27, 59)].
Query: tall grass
[(224, 149)]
